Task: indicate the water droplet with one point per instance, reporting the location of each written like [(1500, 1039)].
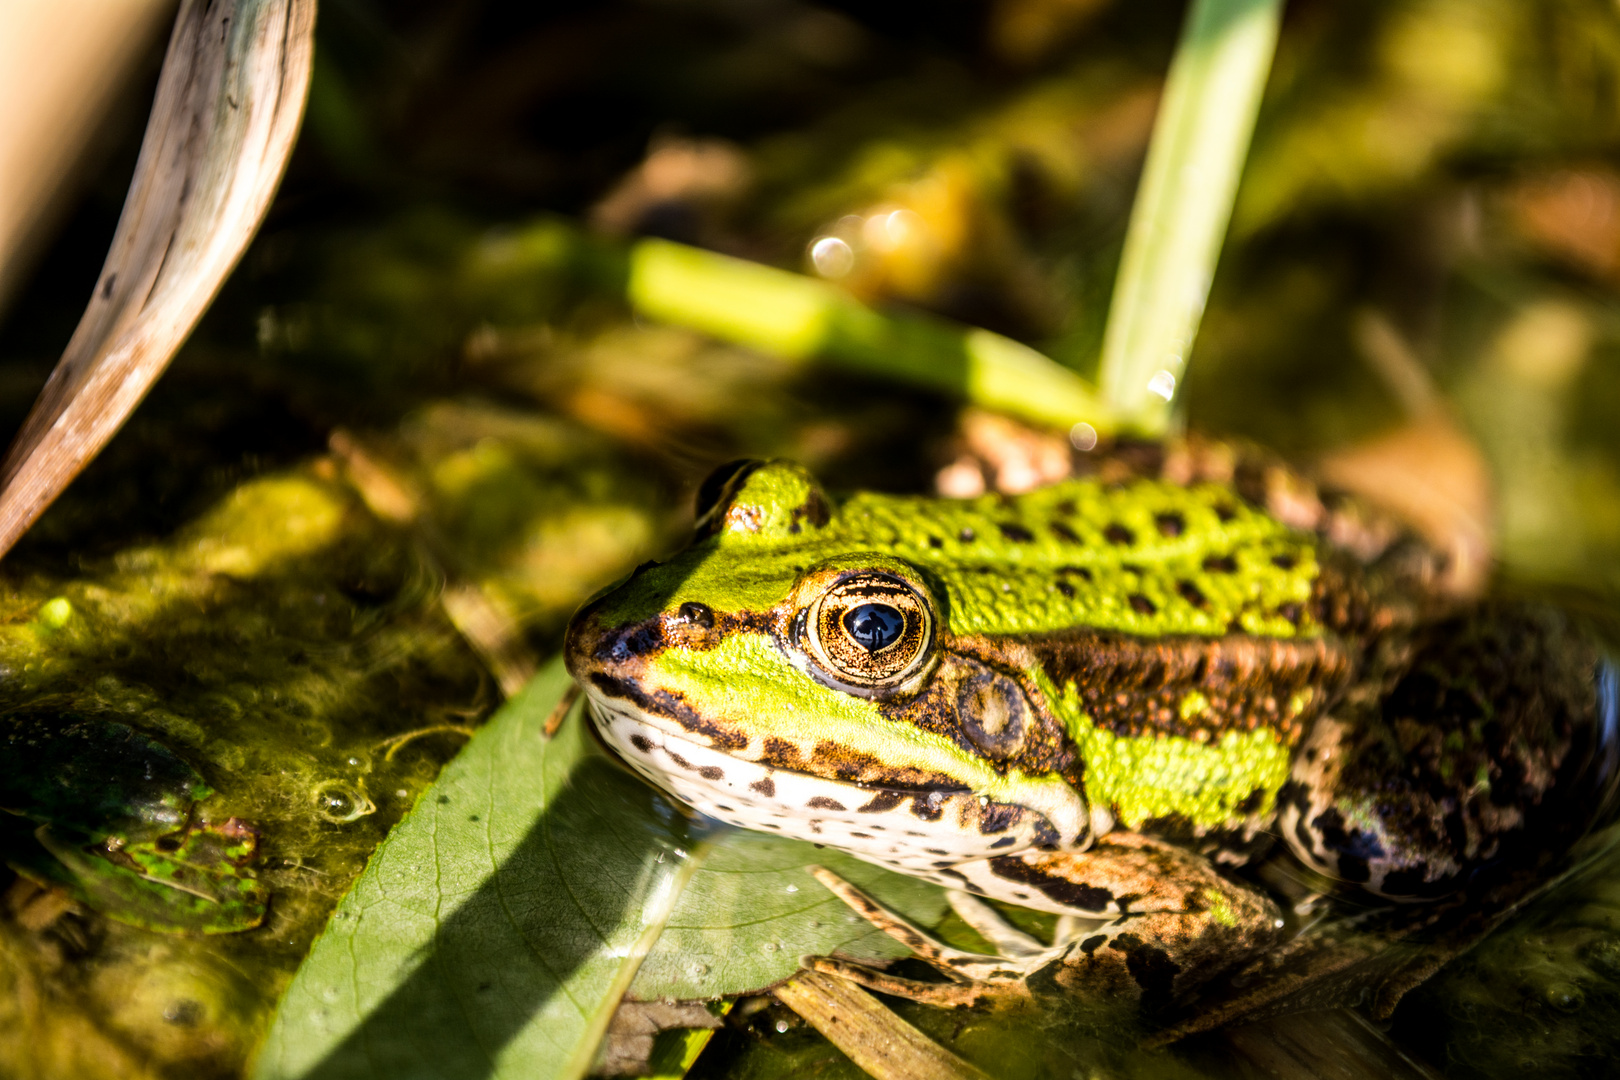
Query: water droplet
[(832, 257), (781, 1027), (792, 888), (1163, 383), (1083, 437)]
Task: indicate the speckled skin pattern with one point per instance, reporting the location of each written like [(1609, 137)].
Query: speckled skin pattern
[(1104, 689)]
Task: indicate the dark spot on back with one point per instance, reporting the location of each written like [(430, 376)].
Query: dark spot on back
[(1066, 589), (1092, 944), (1284, 561), (1220, 564), (1142, 605), (1005, 841), (1063, 532), (1016, 533), (1354, 869), (1078, 571), (766, 787), (640, 743), (1192, 594), (821, 802), (1170, 524), (935, 542), (1291, 612), (1119, 534), (1149, 965), (1226, 512), (1066, 507)]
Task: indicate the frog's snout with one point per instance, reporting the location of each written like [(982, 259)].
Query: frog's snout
[(620, 653), (592, 653)]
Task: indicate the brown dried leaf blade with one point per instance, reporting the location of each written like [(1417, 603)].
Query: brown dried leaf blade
[(226, 113)]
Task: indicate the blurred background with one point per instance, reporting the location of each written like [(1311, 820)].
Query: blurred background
[(421, 424)]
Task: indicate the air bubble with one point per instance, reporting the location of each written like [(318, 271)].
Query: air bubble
[(340, 804)]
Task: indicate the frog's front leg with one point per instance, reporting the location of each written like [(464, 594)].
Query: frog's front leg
[(1167, 921)]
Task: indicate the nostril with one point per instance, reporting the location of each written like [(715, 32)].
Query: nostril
[(639, 640), (697, 614)]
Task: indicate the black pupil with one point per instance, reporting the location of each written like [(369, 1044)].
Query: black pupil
[(874, 626)]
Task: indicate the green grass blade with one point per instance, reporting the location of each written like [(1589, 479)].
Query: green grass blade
[(801, 318), (1182, 207)]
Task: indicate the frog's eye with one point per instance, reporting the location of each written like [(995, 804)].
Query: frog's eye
[(869, 631)]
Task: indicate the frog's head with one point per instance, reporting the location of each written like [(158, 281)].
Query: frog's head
[(779, 674)]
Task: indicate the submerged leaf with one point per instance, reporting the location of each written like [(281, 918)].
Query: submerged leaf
[(194, 882), (95, 776), (752, 910), (495, 930)]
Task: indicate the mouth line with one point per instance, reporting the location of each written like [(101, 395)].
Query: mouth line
[(631, 713)]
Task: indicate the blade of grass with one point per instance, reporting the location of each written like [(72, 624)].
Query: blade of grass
[(800, 318), (1181, 211)]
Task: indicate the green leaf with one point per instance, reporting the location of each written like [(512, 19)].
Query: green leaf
[(495, 930), (497, 927), (752, 910)]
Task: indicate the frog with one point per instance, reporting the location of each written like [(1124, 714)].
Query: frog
[(1100, 699)]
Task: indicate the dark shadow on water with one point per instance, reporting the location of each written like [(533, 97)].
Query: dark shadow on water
[(507, 950)]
